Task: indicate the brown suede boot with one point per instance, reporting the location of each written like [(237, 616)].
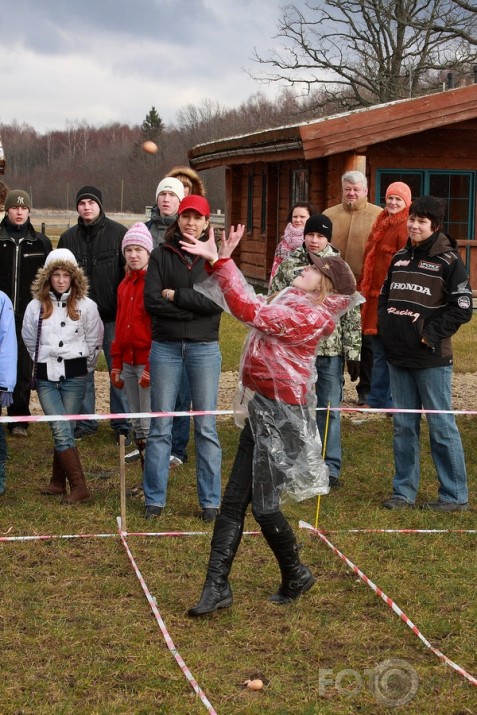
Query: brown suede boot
[(71, 464), (57, 485)]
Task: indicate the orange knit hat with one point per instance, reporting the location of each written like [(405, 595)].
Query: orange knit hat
[(399, 188)]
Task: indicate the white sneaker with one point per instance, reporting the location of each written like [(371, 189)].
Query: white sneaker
[(132, 456), (175, 461)]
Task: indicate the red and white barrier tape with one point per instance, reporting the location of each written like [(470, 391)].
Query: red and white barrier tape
[(50, 537), (201, 413), (398, 531), (110, 416), (390, 603), (169, 642)]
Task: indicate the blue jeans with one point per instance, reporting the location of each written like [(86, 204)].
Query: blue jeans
[(329, 389), (117, 398), (430, 389), (380, 393), (202, 361), (62, 398), (181, 425)]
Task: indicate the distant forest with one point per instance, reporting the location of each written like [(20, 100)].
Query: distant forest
[(54, 165)]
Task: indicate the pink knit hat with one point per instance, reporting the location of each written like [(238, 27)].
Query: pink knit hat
[(138, 235), (399, 188)]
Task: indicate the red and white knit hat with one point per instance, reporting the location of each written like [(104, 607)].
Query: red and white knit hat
[(137, 235)]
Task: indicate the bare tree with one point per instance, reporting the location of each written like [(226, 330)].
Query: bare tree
[(363, 52)]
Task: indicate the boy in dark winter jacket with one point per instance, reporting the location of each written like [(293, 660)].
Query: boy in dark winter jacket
[(425, 299), (23, 251), (95, 241)]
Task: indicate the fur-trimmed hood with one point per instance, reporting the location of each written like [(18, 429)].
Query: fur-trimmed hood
[(77, 276), (198, 186)]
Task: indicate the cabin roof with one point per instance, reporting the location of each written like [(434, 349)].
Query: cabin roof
[(349, 131)]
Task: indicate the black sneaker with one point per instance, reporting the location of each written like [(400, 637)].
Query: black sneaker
[(208, 514), (153, 512), (396, 502), (335, 482), (80, 433), (127, 437), (132, 456), (445, 506)]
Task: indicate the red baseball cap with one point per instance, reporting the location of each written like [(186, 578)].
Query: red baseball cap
[(196, 203)]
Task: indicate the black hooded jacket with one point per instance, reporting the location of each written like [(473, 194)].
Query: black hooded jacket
[(22, 252), (97, 248), (424, 300)]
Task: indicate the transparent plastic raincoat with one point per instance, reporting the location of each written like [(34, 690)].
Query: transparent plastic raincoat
[(276, 382)]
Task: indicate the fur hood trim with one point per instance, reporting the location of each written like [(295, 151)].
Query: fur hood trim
[(198, 186), (77, 275)]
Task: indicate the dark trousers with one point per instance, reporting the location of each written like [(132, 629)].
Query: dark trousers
[(238, 492), (365, 367)]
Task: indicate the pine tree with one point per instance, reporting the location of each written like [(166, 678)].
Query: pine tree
[(153, 126)]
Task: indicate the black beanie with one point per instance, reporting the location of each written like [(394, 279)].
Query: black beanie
[(90, 192), (319, 223)]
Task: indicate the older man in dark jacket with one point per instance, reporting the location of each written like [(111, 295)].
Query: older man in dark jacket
[(23, 252), (96, 243)]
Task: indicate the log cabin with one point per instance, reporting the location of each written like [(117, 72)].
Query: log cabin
[(429, 142)]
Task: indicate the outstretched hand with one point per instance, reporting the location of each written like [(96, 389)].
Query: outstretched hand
[(228, 245), (208, 249)]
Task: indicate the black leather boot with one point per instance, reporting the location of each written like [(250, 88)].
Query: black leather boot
[(296, 577), (216, 592)]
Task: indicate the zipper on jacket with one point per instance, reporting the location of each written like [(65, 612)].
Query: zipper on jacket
[(16, 272)]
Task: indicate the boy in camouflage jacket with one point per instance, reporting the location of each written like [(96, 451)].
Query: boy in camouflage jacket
[(344, 345)]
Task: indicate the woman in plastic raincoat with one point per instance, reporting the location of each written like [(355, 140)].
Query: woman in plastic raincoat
[(279, 451)]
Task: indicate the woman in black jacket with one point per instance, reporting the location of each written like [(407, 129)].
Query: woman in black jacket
[(185, 334)]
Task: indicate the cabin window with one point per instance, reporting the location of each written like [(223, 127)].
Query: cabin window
[(456, 187), (299, 186), (250, 203), (263, 213)]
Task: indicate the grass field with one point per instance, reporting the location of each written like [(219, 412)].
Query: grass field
[(78, 635)]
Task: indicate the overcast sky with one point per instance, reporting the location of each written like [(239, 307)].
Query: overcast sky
[(102, 61)]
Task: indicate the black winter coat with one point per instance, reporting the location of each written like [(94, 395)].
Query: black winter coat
[(191, 316), (20, 259), (424, 300), (97, 248)]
